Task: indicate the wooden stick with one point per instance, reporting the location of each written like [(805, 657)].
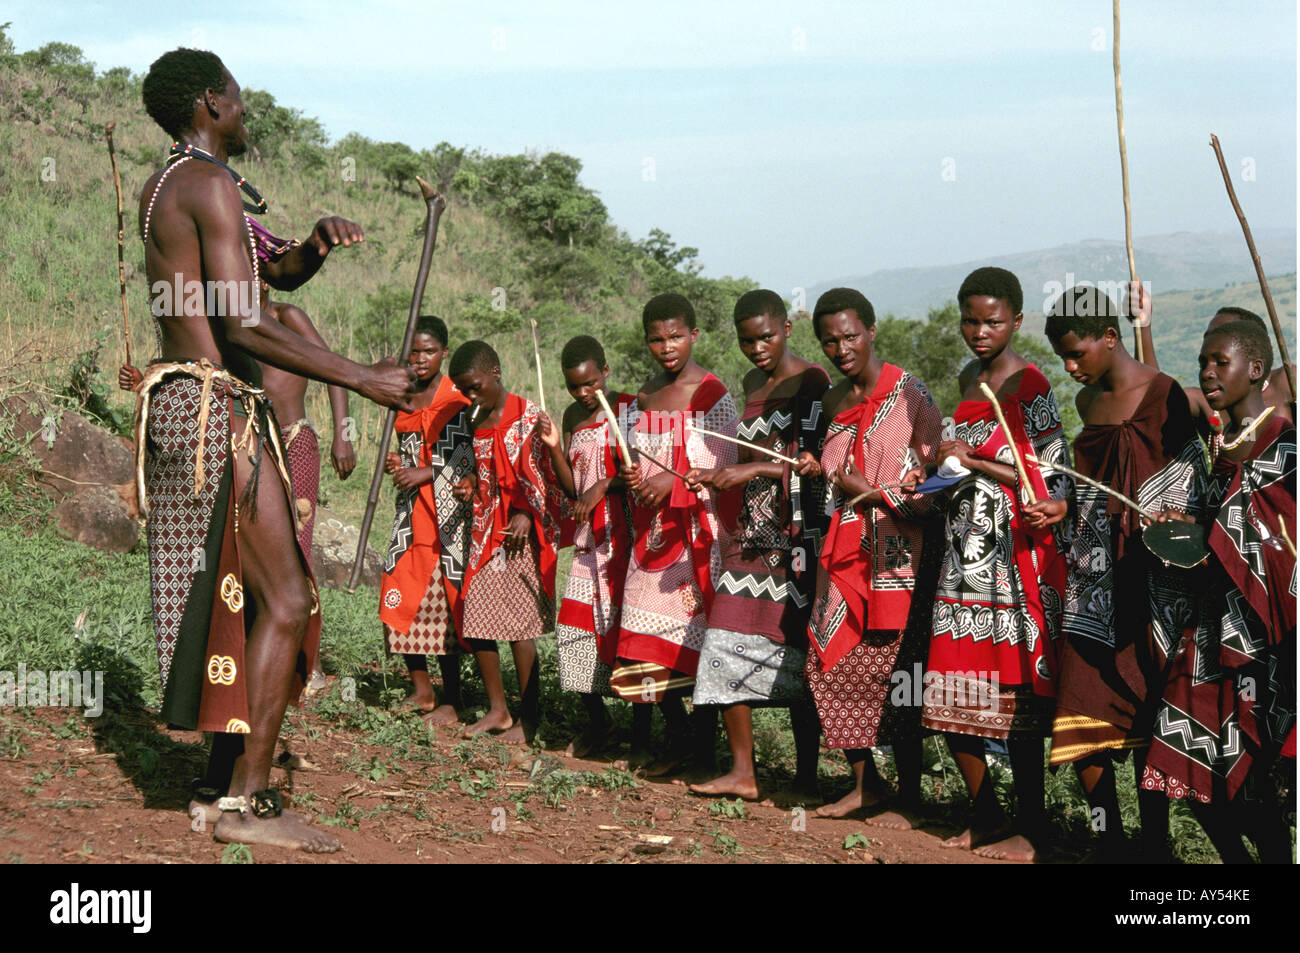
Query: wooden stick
[(1123, 171), (121, 264), (618, 430), (1062, 468), (537, 355), (743, 443), (1290, 546), (1011, 441), (1259, 266), (434, 203), (646, 456)]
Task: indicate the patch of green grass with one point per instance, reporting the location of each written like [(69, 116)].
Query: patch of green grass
[(728, 809), (724, 843), (237, 854)]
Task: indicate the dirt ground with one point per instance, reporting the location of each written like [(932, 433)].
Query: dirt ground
[(114, 790)]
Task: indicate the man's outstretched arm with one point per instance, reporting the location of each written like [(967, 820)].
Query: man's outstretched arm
[(218, 217), (301, 262)]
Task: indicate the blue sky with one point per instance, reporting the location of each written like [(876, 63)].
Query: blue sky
[(794, 143)]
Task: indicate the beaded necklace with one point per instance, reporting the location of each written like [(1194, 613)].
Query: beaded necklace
[(257, 206), (181, 158)]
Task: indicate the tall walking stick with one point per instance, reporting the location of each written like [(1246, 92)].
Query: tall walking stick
[(1123, 171), (1259, 266), (434, 203), (121, 264)]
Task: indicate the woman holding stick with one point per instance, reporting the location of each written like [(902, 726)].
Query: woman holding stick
[(997, 612)]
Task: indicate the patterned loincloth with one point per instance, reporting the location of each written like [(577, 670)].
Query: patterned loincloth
[(646, 682), (185, 479), (303, 447), (741, 669)]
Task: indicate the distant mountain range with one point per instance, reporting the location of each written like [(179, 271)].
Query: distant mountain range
[(1181, 261)]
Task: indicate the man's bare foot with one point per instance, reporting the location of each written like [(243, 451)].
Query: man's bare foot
[(1016, 847), (287, 830), (855, 800), (971, 838), (735, 784), (442, 715), (639, 758), (494, 721)]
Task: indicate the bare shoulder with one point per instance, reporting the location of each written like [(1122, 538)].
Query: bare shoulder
[(834, 397), (753, 381), (1083, 400), (968, 375)]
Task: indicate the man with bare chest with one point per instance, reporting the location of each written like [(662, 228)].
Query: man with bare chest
[(213, 477)]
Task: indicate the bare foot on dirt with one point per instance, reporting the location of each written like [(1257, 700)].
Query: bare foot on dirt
[(639, 758), (1015, 847), (514, 735), (971, 838), (425, 701), (494, 721), (287, 830), (901, 819), (442, 715), (732, 784), (855, 800)]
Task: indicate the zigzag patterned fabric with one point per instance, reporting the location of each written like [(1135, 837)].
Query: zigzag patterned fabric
[(1126, 613), (1231, 697)]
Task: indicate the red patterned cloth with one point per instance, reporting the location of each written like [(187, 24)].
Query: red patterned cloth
[(871, 553), (675, 554), (414, 583), (512, 598), (587, 628), (997, 614), (303, 451)]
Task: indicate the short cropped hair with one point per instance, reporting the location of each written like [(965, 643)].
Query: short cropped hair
[(1252, 338), (433, 326), (994, 282), (578, 350), (1083, 310), (665, 307), (760, 301), (175, 81), (473, 356), (843, 299), (1241, 314)]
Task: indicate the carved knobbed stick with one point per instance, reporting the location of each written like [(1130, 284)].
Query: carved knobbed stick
[(121, 237), (434, 204)]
